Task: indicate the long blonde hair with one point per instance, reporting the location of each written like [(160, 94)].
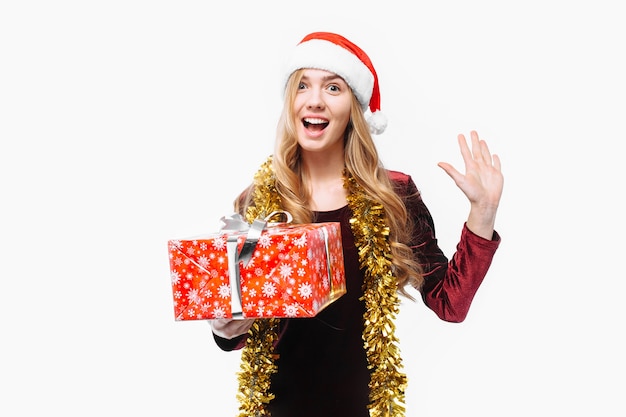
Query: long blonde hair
[(362, 163)]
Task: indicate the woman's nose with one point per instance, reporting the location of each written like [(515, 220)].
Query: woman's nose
[(315, 100)]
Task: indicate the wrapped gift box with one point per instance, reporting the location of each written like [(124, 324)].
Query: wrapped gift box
[(289, 271)]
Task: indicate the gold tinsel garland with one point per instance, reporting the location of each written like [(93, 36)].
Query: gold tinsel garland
[(257, 361), (371, 235)]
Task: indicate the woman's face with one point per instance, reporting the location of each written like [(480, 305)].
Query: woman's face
[(321, 110)]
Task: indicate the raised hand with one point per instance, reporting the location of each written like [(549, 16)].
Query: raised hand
[(482, 183)]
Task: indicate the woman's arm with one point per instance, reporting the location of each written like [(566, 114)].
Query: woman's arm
[(449, 285)]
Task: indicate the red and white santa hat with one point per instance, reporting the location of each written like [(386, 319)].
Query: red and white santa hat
[(334, 53)]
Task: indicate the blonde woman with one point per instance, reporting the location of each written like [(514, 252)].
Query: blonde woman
[(325, 167)]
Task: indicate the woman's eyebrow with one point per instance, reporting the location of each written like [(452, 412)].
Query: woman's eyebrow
[(325, 78), (331, 77)]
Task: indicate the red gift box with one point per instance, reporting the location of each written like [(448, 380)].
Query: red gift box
[(278, 270)]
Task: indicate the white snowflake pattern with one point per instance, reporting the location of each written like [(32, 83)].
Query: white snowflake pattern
[(218, 313), (269, 289), (219, 243), (285, 270), (224, 291), (252, 293), (291, 310), (325, 282), (203, 261), (300, 242), (319, 265), (301, 272), (203, 245), (305, 290), (175, 277), (193, 296), (265, 241), (190, 251), (249, 306)]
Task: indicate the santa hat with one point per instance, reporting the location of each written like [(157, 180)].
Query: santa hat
[(334, 53)]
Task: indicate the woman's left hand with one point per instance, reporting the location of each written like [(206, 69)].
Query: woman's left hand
[(482, 183)]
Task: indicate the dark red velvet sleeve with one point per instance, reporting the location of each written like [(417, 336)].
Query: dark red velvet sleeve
[(450, 285), (230, 344)]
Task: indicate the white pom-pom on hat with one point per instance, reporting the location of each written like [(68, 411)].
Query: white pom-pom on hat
[(377, 122), (334, 53)]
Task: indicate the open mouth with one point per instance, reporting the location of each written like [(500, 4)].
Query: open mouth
[(314, 124)]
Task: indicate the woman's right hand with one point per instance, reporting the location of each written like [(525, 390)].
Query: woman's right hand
[(230, 328)]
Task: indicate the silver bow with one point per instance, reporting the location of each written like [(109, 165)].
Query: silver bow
[(235, 225)]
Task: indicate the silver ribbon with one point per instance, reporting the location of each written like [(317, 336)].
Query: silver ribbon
[(235, 225)]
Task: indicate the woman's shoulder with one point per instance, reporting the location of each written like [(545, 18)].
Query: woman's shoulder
[(401, 180), (403, 183), (398, 176)]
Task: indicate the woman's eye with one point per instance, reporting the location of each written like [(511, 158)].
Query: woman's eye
[(301, 86), (333, 87)]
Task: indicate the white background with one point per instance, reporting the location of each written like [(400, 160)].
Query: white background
[(128, 123)]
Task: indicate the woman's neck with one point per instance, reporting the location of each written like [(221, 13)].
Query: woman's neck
[(325, 181), (322, 167)]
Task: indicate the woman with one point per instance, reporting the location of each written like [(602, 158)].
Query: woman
[(325, 168)]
